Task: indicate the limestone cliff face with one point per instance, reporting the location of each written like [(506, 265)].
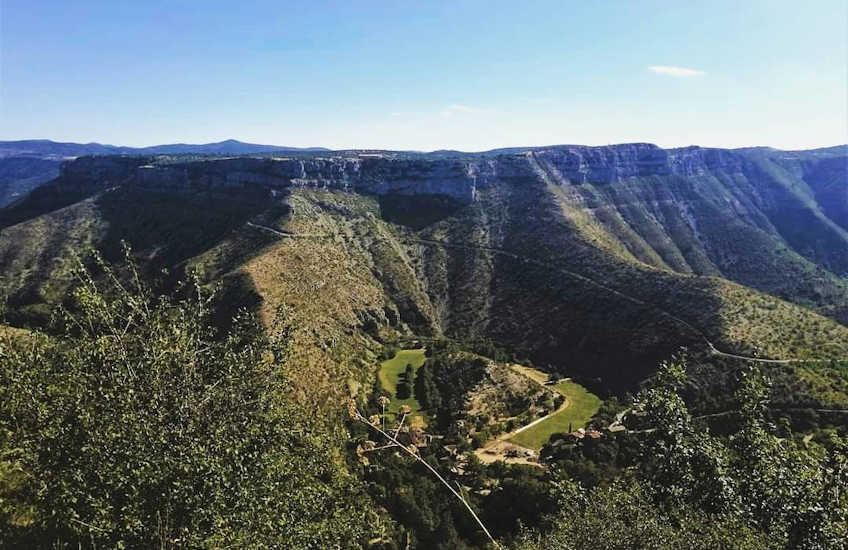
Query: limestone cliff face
[(458, 177), (369, 174), (686, 209), (617, 163)]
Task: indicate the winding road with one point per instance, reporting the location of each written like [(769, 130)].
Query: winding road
[(699, 333), (582, 278), (285, 233)]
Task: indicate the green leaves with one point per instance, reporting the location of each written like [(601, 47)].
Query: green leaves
[(693, 489), (138, 427)]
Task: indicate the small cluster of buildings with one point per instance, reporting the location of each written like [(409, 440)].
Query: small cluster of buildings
[(582, 433)]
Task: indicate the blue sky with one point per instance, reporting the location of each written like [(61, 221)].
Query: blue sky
[(469, 75)]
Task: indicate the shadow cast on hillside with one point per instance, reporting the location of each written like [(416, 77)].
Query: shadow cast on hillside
[(417, 211)]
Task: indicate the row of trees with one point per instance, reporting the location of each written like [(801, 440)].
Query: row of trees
[(427, 391), (406, 383)]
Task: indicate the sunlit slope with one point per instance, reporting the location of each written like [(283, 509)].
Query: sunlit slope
[(515, 267), (164, 231), (754, 221), (554, 280), (599, 279), (35, 256), (336, 276)]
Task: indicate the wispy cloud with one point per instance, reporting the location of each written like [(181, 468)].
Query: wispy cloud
[(457, 108), (681, 72)]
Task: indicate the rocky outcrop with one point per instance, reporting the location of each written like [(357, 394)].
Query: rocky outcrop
[(379, 176), (458, 178), (576, 164)]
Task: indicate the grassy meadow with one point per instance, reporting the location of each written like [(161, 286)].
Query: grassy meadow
[(582, 405), (389, 376)]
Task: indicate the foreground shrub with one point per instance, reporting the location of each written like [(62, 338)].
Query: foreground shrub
[(137, 426)]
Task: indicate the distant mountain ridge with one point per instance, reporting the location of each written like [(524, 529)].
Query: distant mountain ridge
[(28, 164), (48, 148)]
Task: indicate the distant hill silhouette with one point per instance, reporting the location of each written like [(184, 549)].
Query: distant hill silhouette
[(46, 148)]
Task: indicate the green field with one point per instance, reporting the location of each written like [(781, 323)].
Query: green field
[(389, 375), (582, 405)]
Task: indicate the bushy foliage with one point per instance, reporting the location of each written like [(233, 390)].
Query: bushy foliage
[(429, 517), (685, 487), (135, 426), (454, 375), (623, 517)]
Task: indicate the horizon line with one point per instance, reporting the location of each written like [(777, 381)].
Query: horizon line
[(319, 148)]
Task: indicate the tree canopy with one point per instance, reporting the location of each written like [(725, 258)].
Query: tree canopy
[(135, 425), (687, 488)]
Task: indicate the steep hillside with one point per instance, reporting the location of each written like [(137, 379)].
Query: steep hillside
[(20, 175), (595, 261), (28, 164), (752, 218), (164, 230), (529, 270)]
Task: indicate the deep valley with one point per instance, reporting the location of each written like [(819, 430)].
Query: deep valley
[(594, 265)]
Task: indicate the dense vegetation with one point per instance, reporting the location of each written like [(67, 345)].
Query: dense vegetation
[(149, 418), (135, 425), (677, 484), (465, 392), (669, 480)]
